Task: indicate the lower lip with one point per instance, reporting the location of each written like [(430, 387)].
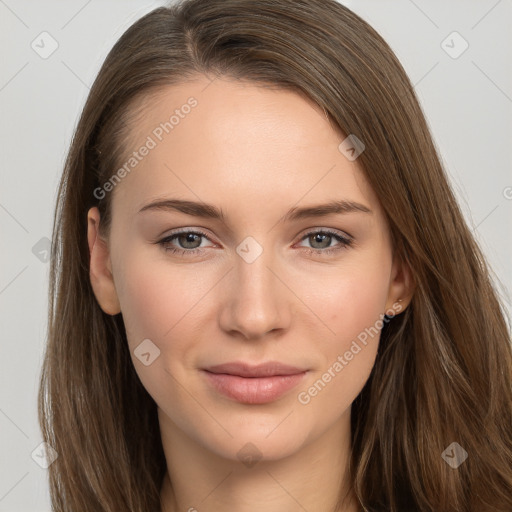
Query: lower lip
[(253, 390)]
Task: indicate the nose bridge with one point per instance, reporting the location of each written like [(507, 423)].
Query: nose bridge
[(255, 303)]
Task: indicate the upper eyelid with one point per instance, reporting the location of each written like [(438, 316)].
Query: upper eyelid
[(181, 231)]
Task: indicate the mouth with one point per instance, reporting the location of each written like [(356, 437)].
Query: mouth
[(249, 384)]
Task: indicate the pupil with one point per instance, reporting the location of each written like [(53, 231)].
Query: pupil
[(189, 238), (322, 237)]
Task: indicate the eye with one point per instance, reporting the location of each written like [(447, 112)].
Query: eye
[(188, 239), (323, 238)]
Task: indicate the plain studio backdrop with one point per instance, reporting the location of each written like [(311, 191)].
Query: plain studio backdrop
[(458, 55)]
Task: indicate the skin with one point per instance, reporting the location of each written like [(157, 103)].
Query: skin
[(255, 153)]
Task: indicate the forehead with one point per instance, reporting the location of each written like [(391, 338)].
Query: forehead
[(225, 140)]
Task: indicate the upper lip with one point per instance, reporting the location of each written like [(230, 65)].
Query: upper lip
[(269, 369)]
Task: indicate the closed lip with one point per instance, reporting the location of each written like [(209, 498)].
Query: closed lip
[(268, 369)]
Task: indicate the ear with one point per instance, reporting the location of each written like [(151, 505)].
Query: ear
[(401, 287), (100, 266)]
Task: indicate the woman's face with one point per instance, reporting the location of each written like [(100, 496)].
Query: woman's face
[(259, 278)]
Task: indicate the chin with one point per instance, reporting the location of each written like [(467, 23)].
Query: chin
[(258, 439)]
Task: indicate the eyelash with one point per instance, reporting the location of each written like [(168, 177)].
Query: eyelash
[(343, 242)]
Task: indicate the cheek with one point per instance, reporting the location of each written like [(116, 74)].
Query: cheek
[(157, 299), (346, 300), (148, 305), (162, 304), (165, 304), (352, 310)]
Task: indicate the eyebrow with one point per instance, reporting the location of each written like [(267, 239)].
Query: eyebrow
[(209, 211)]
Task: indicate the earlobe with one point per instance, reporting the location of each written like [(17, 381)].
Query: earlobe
[(401, 288), (100, 269)]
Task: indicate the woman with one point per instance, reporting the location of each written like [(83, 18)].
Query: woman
[(263, 292)]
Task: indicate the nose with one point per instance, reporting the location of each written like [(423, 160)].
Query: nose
[(255, 300)]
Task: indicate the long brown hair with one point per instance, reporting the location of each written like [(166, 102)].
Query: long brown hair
[(443, 372)]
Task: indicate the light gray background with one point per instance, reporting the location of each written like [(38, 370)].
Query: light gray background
[(467, 101)]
